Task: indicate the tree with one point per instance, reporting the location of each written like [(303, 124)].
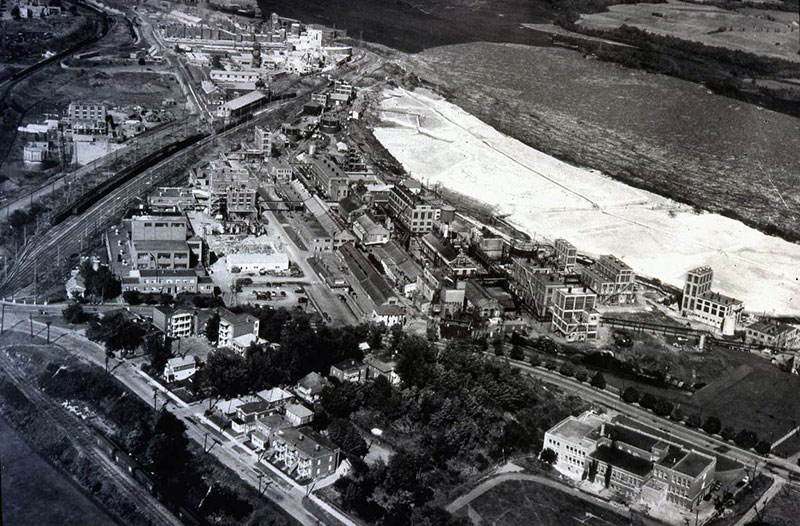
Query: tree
[(712, 425), (763, 447), (550, 365), (212, 328), (15, 12), (599, 381), (216, 62), (225, 375), (630, 395), (345, 435), (677, 414), (567, 369), (581, 375), (74, 313), (746, 439), (728, 433), (647, 401), (663, 407), (516, 353), (132, 297), (693, 421), (497, 345), (158, 348), (534, 360), (549, 456)]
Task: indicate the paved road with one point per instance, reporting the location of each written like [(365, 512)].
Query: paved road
[(777, 466), (126, 372)]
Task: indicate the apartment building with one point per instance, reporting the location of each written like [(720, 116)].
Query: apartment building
[(612, 280), (304, 455), (349, 370), (574, 314), (232, 326), (415, 215), (175, 323), (701, 304), (263, 140)]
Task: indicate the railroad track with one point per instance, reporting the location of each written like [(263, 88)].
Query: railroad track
[(67, 237), (84, 441)]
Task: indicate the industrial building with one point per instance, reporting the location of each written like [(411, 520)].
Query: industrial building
[(574, 314), (701, 304), (612, 279)]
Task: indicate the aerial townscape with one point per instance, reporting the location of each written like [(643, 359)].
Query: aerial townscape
[(407, 264)]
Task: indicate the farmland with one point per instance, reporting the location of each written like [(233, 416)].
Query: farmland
[(763, 32)]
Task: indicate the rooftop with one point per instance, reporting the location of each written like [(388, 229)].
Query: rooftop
[(575, 428), (771, 327), (300, 411), (716, 297), (244, 100), (350, 363), (693, 464), (276, 394), (622, 460)]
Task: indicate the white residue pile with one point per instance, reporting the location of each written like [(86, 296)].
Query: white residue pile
[(438, 142)]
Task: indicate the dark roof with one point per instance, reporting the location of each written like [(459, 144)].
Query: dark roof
[(254, 407), (369, 278), (440, 246), (693, 464), (349, 204), (770, 327), (350, 363), (631, 437), (622, 460)]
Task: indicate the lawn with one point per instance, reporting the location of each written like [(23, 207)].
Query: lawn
[(756, 396), (783, 509), (523, 503)]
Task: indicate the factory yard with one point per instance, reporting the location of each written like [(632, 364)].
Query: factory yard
[(439, 143), (769, 33)]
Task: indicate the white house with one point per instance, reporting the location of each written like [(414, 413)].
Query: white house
[(389, 315), (178, 369)]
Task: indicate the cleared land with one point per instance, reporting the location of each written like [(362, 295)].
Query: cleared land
[(783, 509), (518, 503), (439, 143), (767, 33), (655, 132), (754, 396)]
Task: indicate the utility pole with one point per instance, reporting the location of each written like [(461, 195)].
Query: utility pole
[(1, 492), (48, 332), (30, 315), (3, 322)]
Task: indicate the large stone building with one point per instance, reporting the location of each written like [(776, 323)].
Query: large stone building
[(701, 304), (414, 214), (574, 314), (612, 280), (633, 460)]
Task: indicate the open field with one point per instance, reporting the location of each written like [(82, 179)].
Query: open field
[(762, 32), (755, 396), (28, 479), (439, 143), (524, 503), (783, 509), (655, 132)]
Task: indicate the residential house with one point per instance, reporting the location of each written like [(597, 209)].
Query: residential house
[(310, 387), (174, 323), (180, 368), (232, 326), (275, 397), (298, 415), (380, 366), (349, 370), (304, 456)]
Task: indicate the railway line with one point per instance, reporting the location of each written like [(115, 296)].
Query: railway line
[(85, 442), (69, 234)]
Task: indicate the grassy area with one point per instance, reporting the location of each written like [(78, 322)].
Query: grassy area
[(783, 509), (760, 398), (744, 501), (523, 503)]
